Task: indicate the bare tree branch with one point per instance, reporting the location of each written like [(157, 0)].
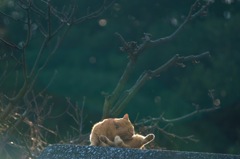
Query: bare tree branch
[(147, 75), (94, 14), (10, 44), (165, 120), (113, 103), (27, 107), (186, 139), (191, 15)]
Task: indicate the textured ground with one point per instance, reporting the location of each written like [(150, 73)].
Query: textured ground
[(92, 152)]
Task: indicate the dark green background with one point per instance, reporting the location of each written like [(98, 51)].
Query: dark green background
[(177, 89)]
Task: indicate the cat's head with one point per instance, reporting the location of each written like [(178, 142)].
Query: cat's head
[(124, 128)]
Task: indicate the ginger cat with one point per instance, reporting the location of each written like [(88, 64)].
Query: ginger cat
[(137, 141), (110, 128)]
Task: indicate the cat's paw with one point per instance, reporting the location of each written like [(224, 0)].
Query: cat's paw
[(118, 140), (103, 139), (150, 137)]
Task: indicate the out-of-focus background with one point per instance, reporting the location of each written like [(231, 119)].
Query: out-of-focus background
[(89, 63)]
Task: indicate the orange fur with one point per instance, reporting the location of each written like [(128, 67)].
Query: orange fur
[(112, 127), (137, 141)]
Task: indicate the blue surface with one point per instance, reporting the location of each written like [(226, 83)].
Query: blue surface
[(92, 152)]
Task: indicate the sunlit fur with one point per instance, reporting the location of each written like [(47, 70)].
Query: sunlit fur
[(112, 127), (137, 141)]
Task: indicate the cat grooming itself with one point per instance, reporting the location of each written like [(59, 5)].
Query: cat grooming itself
[(111, 128)]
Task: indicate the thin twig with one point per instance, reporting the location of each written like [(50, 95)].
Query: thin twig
[(96, 13), (183, 138), (181, 118)]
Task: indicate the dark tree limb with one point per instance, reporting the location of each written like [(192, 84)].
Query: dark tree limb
[(115, 102), (147, 39), (147, 75)]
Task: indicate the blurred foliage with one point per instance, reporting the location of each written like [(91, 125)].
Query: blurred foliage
[(89, 63)]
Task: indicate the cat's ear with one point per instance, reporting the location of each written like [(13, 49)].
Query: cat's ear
[(126, 117)]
